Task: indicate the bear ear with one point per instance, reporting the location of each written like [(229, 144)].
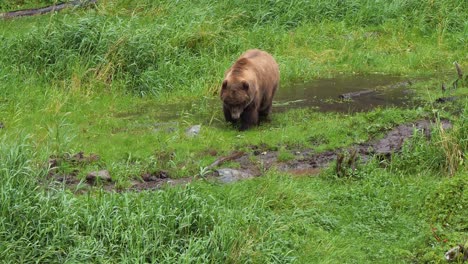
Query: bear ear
[(245, 85), (224, 84)]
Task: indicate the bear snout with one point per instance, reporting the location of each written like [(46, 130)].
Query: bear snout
[(236, 112)]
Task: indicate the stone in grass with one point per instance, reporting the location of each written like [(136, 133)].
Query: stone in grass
[(102, 175), (457, 254), (228, 175), (193, 131)]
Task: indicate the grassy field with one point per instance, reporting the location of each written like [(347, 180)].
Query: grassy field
[(125, 79)]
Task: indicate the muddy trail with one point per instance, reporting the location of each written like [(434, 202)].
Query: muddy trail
[(69, 169)]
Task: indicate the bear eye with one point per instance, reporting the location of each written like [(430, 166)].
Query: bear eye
[(224, 84), (245, 86)]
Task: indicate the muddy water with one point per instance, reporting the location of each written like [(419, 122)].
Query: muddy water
[(323, 94), (320, 94)]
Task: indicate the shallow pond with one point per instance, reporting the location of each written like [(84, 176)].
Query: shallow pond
[(365, 92), (321, 94)]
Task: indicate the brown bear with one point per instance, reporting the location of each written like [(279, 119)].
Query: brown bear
[(248, 88)]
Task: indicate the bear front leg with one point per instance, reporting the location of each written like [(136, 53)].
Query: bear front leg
[(249, 118), (227, 115)]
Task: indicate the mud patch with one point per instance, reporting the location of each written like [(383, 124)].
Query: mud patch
[(69, 170), (308, 162), (252, 163), (391, 143), (156, 180), (66, 168)]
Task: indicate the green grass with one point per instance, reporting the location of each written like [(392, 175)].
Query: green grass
[(146, 53), (125, 80), (10, 5), (386, 216)]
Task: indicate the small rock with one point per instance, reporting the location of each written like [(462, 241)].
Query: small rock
[(2, 125), (102, 175), (193, 131), (147, 177), (446, 99), (457, 253), (227, 175)]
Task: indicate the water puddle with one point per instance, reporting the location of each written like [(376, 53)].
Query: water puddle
[(347, 94)]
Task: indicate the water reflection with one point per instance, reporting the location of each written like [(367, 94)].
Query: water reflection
[(324, 94)]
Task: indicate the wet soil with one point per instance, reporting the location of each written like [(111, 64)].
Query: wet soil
[(251, 163), (309, 162), (69, 170), (66, 168), (155, 181)]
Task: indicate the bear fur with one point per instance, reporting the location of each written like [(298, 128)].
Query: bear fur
[(248, 88)]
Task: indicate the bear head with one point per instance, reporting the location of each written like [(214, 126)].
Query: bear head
[(236, 95)]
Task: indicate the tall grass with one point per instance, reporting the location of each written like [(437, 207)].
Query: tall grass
[(8, 5), (43, 223), (424, 14), (154, 47), (444, 153), (163, 47), (275, 219)]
